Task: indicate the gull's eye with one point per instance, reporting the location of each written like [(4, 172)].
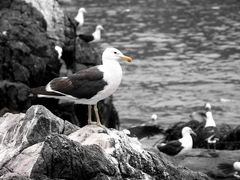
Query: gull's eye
[(115, 52)]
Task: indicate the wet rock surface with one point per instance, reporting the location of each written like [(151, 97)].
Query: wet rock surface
[(44, 146)]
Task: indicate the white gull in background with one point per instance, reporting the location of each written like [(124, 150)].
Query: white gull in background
[(180, 146), (94, 37)]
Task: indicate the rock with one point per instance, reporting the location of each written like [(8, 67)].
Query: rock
[(36, 145), (13, 176), (19, 131), (54, 17), (199, 160), (132, 160), (145, 130), (28, 54), (59, 157), (14, 96), (231, 139)]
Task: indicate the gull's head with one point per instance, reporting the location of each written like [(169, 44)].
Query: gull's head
[(236, 166), (187, 131), (99, 27), (59, 51), (4, 33), (207, 107), (154, 117), (82, 10), (115, 54)]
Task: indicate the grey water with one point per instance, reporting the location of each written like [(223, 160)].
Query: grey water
[(186, 53)]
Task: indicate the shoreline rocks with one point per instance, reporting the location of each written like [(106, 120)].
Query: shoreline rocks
[(44, 146)]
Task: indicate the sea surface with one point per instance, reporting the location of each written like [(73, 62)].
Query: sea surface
[(185, 53)]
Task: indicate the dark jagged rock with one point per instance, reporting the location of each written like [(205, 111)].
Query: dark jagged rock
[(59, 157), (14, 176), (32, 146), (132, 160), (14, 96), (27, 55), (19, 131), (231, 139), (145, 131)]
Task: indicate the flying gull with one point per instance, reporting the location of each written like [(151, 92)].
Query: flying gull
[(94, 37), (180, 146), (88, 86)]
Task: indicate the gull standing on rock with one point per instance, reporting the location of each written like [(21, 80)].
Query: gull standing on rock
[(88, 86), (94, 37), (80, 16), (180, 146), (209, 132)]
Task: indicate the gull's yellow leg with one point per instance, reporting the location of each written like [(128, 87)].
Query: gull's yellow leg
[(97, 115), (89, 114)]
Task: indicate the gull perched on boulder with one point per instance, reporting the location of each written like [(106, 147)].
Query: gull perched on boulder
[(94, 37), (180, 146), (80, 16), (88, 86)]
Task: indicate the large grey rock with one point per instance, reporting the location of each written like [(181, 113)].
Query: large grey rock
[(54, 17), (27, 57), (39, 145), (19, 131), (132, 160), (59, 157)]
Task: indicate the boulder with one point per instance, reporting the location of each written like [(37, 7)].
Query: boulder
[(231, 139), (54, 16), (39, 145), (129, 156), (27, 55), (14, 97), (19, 131)]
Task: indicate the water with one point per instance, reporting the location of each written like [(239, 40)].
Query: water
[(185, 53)]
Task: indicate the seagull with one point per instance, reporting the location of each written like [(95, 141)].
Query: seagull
[(59, 51), (94, 37), (64, 69), (180, 146), (228, 168), (209, 132), (88, 86), (80, 16), (154, 117)]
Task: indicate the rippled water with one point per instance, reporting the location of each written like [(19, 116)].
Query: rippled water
[(186, 53)]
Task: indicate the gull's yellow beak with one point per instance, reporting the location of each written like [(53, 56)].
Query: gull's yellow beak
[(192, 132), (126, 58)]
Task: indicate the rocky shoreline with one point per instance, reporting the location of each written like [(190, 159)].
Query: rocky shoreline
[(39, 145), (45, 142)]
